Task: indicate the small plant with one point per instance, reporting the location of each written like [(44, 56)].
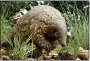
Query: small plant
[(21, 50)]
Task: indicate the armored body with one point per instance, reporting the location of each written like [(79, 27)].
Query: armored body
[(45, 25)]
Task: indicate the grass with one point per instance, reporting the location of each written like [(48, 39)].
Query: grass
[(19, 50), (5, 28), (77, 20)]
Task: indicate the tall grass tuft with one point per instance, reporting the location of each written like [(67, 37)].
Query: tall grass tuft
[(18, 50), (77, 22), (5, 27)]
